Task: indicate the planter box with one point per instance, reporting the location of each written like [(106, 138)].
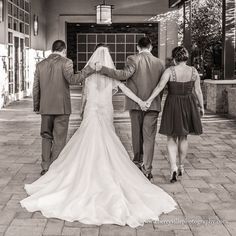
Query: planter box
[(232, 102), (217, 94)]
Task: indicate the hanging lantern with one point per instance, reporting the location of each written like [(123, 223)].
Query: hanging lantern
[(104, 13)]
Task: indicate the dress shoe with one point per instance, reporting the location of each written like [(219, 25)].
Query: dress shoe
[(173, 177), (43, 172)]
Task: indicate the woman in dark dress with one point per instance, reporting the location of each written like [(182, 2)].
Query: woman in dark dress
[(181, 114)]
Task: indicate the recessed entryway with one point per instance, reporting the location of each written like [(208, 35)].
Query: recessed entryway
[(121, 38)]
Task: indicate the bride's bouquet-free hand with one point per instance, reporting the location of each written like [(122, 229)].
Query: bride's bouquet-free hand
[(148, 103), (97, 66), (145, 105)]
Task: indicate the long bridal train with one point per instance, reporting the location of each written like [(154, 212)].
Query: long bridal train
[(93, 180)]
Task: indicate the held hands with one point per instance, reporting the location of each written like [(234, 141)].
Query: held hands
[(144, 105), (148, 104)]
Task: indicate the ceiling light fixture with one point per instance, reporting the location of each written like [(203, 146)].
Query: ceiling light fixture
[(104, 13)]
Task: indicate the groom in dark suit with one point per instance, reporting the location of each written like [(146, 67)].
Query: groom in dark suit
[(51, 99), (142, 72)]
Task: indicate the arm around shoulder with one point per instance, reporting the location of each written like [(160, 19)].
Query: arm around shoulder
[(75, 78), (124, 74)]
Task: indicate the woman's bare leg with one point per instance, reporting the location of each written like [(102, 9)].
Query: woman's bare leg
[(172, 148), (182, 151)]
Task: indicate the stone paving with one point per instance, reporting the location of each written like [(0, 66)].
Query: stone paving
[(206, 194)]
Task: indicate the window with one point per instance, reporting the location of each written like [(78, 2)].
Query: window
[(120, 45), (18, 44), (19, 16)]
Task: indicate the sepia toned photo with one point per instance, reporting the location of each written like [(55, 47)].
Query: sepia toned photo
[(117, 118)]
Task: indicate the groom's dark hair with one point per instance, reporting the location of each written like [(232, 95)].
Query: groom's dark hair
[(58, 46), (144, 42)]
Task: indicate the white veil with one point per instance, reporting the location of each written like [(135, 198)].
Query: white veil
[(102, 56)]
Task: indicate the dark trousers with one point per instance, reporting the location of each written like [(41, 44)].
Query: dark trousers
[(144, 128), (54, 130)]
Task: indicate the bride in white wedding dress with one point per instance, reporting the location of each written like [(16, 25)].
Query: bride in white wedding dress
[(93, 180)]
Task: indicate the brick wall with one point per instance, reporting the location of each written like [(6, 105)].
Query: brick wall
[(217, 96)]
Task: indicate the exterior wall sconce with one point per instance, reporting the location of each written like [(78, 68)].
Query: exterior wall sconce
[(38, 58), (104, 13), (1, 10), (4, 63), (36, 25)]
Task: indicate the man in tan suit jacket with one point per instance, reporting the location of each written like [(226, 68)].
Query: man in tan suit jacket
[(142, 72), (51, 99)]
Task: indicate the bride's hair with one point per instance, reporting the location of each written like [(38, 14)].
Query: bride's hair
[(101, 54), (101, 45)]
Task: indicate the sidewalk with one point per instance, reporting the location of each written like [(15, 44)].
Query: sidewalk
[(206, 194)]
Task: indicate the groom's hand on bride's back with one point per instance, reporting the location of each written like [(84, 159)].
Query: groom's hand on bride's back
[(97, 66)]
